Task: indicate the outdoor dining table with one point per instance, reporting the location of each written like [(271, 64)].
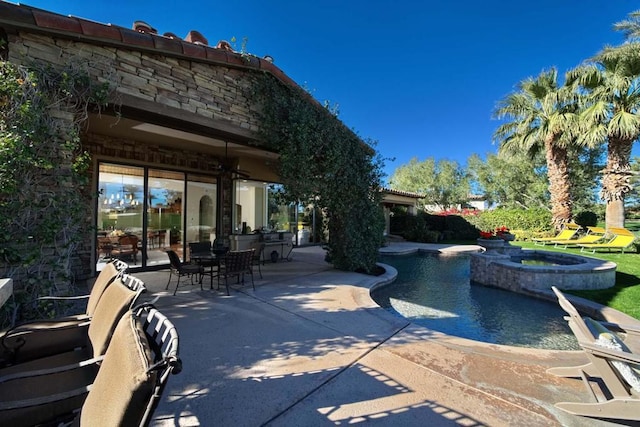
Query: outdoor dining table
[(210, 259)]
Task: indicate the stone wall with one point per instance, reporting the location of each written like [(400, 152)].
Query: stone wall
[(204, 90), (502, 271), (206, 93)]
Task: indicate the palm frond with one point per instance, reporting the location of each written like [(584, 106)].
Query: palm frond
[(624, 125)]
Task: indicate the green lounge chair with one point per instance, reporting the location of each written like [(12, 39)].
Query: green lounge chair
[(568, 231), (594, 235), (622, 239)]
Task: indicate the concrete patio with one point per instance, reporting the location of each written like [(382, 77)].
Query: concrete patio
[(310, 348)]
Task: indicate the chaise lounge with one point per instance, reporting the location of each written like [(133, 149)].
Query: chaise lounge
[(610, 360), (622, 239), (594, 235), (568, 231)]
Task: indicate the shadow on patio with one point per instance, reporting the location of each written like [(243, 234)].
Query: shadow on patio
[(309, 347)]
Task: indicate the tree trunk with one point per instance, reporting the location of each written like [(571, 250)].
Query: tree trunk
[(559, 183), (614, 215), (616, 181)]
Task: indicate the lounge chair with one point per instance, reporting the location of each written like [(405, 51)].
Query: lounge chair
[(622, 239), (568, 231), (108, 274), (125, 391), (610, 360), (594, 234), (29, 343)]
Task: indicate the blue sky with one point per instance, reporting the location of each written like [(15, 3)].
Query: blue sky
[(420, 77)]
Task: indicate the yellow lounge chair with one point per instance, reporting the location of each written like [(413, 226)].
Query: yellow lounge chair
[(594, 234), (622, 239), (568, 231)]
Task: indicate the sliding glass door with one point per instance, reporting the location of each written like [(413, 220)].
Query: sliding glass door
[(142, 212)]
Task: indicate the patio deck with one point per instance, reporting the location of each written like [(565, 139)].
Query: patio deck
[(309, 347)]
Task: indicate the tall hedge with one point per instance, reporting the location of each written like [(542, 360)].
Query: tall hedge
[(324, 162)]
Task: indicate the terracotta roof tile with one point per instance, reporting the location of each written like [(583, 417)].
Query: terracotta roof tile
[(403, 193), (105, 31), (56, 22), (216, 54), (168, 44), (194, 46), (137, 38), (194, 50), (195, 37), (11, 12)]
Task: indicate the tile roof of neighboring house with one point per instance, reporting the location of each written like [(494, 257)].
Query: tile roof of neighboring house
[(142, 37), (403, 193)]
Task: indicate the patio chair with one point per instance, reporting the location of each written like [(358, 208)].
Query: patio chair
[(622, 239), (199, 248), (108, 274), (127, 248), (610, 360), (594, 234), (568, 231), (124, 392), (236, 264), (25, 344), (257, 258), (182, 269)]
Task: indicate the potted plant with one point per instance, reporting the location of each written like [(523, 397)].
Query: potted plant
[(490, 241)]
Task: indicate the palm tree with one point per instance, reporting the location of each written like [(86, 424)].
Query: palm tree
[(611, 84), (541, 116), (630, 27)]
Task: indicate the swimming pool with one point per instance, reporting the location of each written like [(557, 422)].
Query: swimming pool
[(435, 291)]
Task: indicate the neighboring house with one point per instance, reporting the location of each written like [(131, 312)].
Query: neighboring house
[(479, 202), (175, 156), (475, 201), (392, 198)]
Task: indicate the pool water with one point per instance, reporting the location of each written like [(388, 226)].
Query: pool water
[(435, 291)]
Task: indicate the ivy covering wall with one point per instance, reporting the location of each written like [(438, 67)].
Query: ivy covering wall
[(324, 162), (44, 214)]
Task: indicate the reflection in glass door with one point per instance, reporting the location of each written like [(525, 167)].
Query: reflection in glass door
[(201, 209), (165, 199), (119, 214)]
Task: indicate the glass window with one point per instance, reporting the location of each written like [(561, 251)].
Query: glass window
[(250, 208), (119, 214), (124, 191), (201, 208), (165, 215)]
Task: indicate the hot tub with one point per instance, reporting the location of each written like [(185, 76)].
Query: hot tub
[(566, 271)]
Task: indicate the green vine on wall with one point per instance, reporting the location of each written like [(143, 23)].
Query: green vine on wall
[(323, 161), (44, 212)]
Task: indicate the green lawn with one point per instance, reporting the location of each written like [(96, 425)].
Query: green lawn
[(625, 295)]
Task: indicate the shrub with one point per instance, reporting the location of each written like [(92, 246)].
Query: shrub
[(417, 230), (586, 218), (534, 220), (459, 228), (435, 222)]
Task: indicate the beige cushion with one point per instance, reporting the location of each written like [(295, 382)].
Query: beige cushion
[(104, 279), (48, 337), (115, 301), (123, 387)]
